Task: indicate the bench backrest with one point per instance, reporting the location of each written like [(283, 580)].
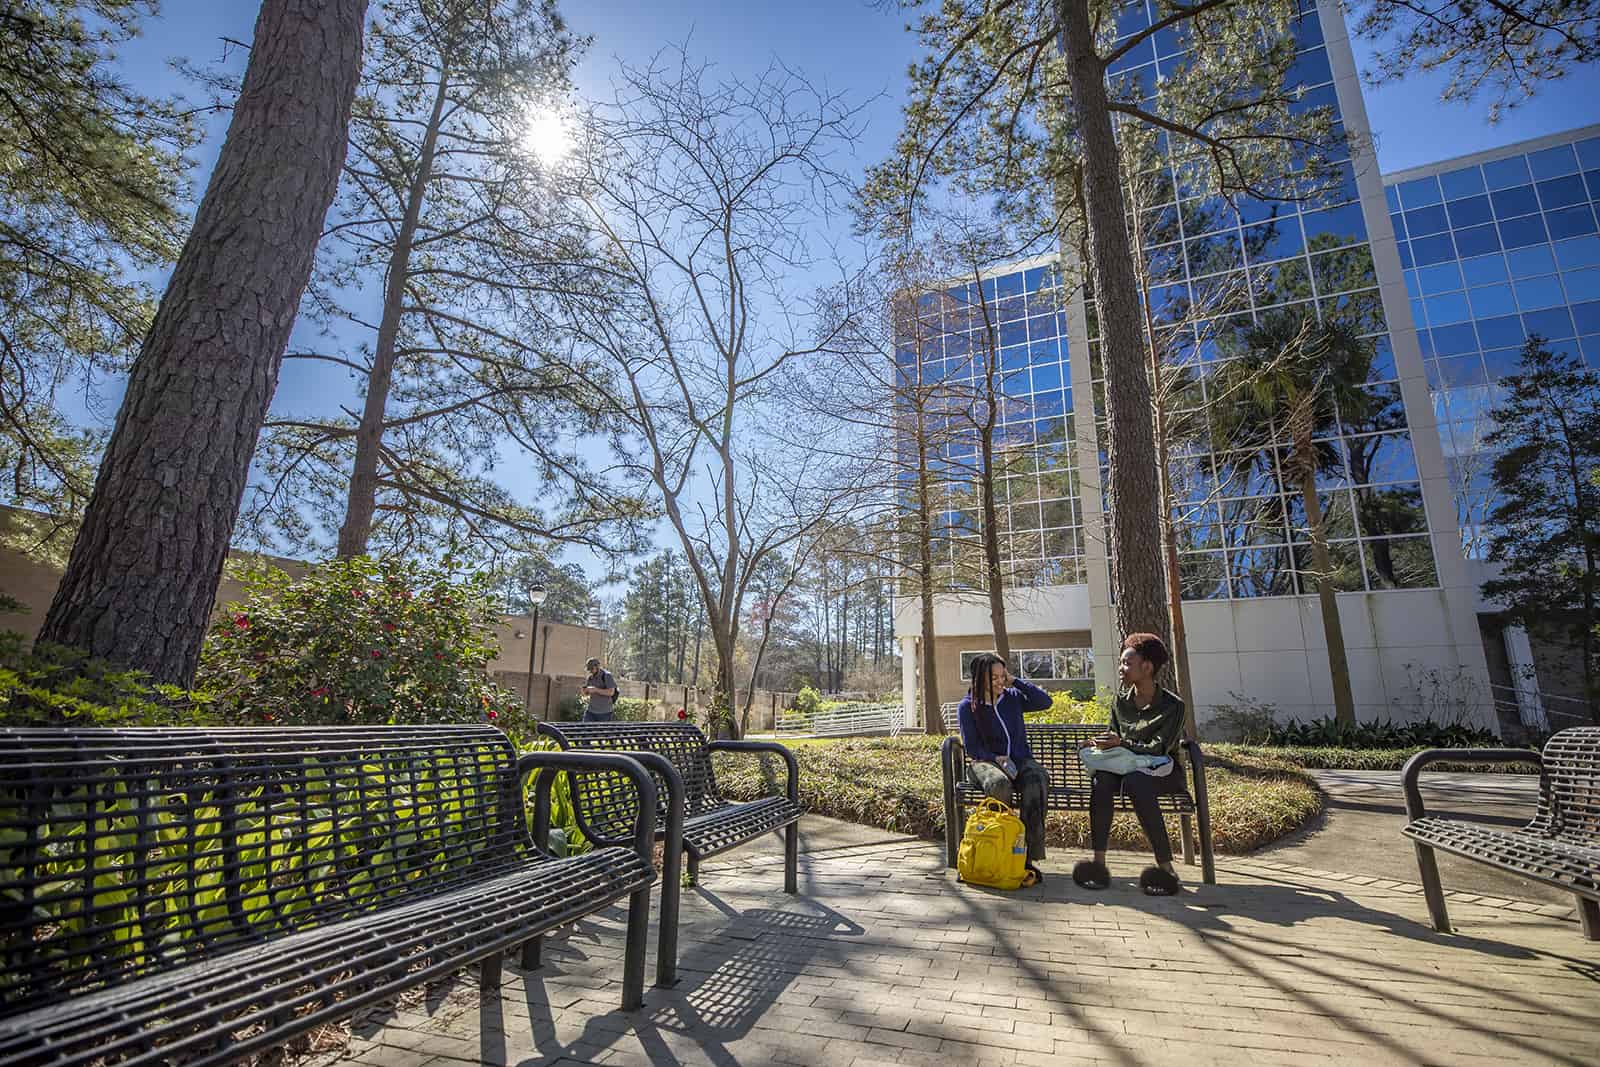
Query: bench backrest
[(126, 852), (608, 801), (1055, 745), (1569, 806)]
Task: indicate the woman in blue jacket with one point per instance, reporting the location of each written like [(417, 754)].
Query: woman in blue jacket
[(999, 760)]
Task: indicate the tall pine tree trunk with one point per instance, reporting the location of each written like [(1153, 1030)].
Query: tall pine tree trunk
[(1344, 709), (362, 501), (143, 574), (1138, 580)]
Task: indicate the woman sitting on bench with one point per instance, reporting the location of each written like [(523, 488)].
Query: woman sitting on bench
[(999, 760), (1148, 721)]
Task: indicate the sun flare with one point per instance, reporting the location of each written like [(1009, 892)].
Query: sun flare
[(548, 137)]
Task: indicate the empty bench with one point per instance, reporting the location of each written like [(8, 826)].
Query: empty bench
[(1560, 847), (1055, 746), (692, 816), (197, 895)]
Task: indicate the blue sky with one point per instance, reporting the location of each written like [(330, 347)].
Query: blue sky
[(844, 45)]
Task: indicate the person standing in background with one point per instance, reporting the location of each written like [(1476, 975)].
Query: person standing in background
[(601, 689)]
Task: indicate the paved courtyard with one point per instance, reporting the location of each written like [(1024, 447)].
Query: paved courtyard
[(884, 958)]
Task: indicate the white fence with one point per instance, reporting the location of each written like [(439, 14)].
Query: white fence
[(846, 720)]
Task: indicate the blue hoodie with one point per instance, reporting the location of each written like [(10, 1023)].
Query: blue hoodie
[(1022, 696)]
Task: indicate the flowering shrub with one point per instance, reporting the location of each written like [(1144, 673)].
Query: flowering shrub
[(358, 641)]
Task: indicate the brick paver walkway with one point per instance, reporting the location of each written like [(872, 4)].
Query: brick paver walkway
[(885, 958)]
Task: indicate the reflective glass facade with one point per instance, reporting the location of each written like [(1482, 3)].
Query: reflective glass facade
[(1018, 327), (1493, 251), (1218, 268)]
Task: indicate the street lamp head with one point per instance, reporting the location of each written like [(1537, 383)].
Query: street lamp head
[(536, 595)]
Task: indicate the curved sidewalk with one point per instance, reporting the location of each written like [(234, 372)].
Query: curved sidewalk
[(885, 958)]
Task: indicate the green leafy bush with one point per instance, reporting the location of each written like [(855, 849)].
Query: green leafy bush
[(807, 701), (1067, 707), (894, 783), (359, 641), (1329, 733), (633, 709), (1326, 757), (53, 685)]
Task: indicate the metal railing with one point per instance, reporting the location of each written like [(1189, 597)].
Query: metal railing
[(846, 720)]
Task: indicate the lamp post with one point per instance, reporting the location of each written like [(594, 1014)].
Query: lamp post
[(536, 595)]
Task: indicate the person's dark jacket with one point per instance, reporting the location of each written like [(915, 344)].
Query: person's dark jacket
[(990, 731), (1153, 731)]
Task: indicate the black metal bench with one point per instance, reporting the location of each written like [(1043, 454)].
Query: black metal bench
[(1560, 847), (193, 896), (1055, 746), (692, 816)]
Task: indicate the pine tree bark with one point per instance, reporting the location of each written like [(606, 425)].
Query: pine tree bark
[(143, 574), (1138, 581), (362, 502)]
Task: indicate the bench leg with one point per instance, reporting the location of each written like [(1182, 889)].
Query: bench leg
[(667, 943), (1589, 915), (1428, 869), (489, 973), (953, 829), (691, 866), (1186, 825), (791, 857), (633, 957), (532, 951)]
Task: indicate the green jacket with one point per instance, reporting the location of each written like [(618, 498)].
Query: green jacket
[(1155, 730)]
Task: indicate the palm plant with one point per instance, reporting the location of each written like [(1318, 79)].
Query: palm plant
[(1296, 379)]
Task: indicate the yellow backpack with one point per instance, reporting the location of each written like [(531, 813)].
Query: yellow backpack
[(994, 848)]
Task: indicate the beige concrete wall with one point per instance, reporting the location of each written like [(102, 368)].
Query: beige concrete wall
[(561, 649)]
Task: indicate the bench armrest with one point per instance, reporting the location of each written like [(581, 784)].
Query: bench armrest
[(644, 829), (793, 789), (1414, 766)]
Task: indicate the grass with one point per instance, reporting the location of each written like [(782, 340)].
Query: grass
[(1355, 759), (894, 784)]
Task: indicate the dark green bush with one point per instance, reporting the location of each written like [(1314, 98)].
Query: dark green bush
[(633, 709), (1358, 759), (53, 685), (1328, 733)]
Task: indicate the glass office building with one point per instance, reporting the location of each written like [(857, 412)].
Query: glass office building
[(1497, 247)]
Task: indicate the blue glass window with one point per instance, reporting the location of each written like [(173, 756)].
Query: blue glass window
[(1425, 220), (1440, 278), (1582, 285), (1309, 68), (1041, 327), (1570, 221), (1455, 340), (1143, 52), (1404, 248), (1591, 178), (1170, 41), (1413, 286), (1535, 293), (1044, 352), (1308, 30), (1391, 195), (1504, 173), (1578, 252), (1398, 221), (1477, 240), (1501, 332), (1013, 333), (1529, 262), (1012, 307), (1435, 249), (1448, 308), (1589, 153), (1491, 300), (1460, 372), (1591, 352), (1519, 233), (1503, 361), (1470, 211), (1419, 314), (1009, 284), (1420, 192), (1484, 269), (1047, 376), (1553, 324), (1383, 368), (1587, 316), (1553, 162), (1562, 192), (1274, 240), (1322, 96), (1434, 373), (1131, 19), (1468, 181), (1510, 203)]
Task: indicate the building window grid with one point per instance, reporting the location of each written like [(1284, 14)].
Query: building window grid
[(1279, 556), (1550, 283)]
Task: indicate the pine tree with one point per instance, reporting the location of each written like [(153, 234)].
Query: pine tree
[(1545, 530)]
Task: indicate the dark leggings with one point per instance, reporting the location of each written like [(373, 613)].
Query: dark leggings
[(1142, 789)]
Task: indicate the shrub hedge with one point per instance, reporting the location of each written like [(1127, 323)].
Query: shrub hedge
[(1326, 757), (894, 783)]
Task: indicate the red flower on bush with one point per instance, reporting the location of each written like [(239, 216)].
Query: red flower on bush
[(242, 621), (493, 715), (376, 654), (682, 714), (391, 627), (357, 593), (320, 691)]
